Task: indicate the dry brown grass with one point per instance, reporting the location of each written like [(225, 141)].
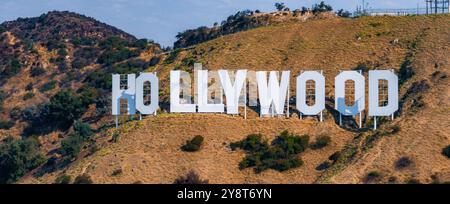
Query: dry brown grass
[(151, 153)]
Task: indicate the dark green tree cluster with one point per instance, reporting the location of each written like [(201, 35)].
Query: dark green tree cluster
[(117, 49), (322, 7), (281, 155), (234, 23), (60, 112), (17, 158), (72, 145)]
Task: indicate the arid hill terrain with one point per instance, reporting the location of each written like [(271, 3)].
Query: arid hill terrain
[(85, 53)]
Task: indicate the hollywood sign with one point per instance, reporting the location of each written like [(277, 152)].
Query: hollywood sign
[(270, 93)]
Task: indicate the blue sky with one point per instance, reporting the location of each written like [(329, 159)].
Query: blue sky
[(161, 20)]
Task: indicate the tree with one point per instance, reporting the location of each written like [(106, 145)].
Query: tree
[(322, 7), (83, 129), (344, 14), (71, 146), (64, 108), (280, 6), (18, 157)]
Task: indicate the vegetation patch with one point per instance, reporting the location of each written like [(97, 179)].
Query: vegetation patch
[(321, 142), (403, 163), (6, 125), (190, 178), (372, 177), (63, 179), (28, 96), (48, 86), (281, 155), (446, 151), (194, 144), (18, 157), (83, 179)]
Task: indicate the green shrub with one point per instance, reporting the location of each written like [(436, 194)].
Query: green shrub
[(12, 69), (115, 136), (18, 157), (83, 129), (37, 71), (446, 151), (28, 96), (63, 179), (6, 125), (15, 113), (62, 52), (112, 56), (403, 163), (71, 146), (281, 155), (193, 145), (372, 176), (172, 56), (83, 179), (64, 108), (321, 142), (48, 86)]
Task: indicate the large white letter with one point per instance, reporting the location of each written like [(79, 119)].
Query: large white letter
[(274, 93), (140, 81), (319, 94), (175, 105), (392, 106), (128, 94), (340, 92), (232, 91), (203, 105)]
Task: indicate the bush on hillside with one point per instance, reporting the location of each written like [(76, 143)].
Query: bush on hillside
[(403, 163), (446, 151), (83, 179), (83, 130), (37, 71), (335, 156), (321, 142), (28, 96), (11, 69), (6, 125), (64, 108), (193, 145), (190, 178), (281, 155), (17, 158), (71, 146), (48, 86), (372, 176), (63, 179)]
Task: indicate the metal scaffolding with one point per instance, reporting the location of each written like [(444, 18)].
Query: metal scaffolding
[(437, 6)]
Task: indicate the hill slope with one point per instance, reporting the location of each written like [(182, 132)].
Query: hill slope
[(416, 47)]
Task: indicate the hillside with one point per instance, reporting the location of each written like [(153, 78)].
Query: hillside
[(148, 151)]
